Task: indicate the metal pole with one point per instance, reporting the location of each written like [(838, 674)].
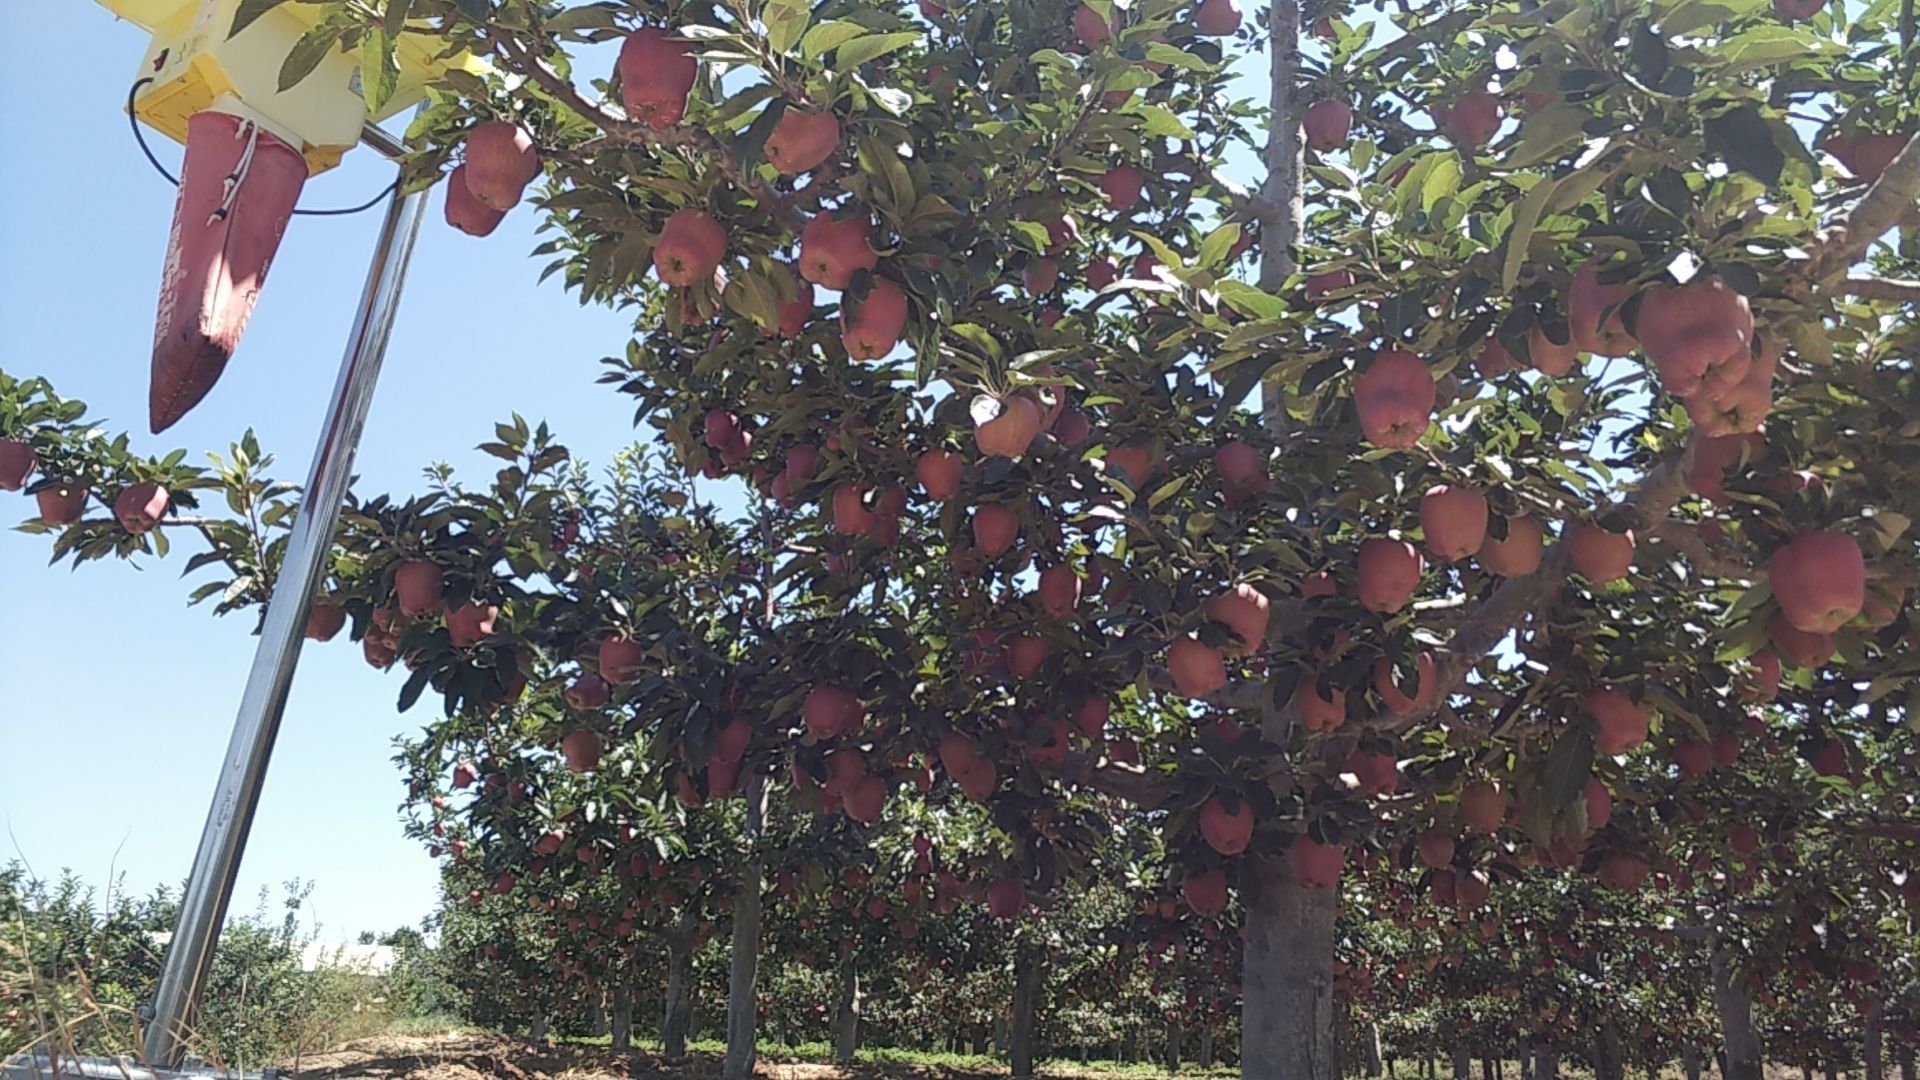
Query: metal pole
[(203, 907)]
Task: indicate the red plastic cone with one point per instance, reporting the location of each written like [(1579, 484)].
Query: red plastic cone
[(237, 192)]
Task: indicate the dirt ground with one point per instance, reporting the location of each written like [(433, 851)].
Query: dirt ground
[(494, 1057)]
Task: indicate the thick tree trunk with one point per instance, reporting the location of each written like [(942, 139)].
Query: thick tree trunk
[(537, 1031), (1286, 1026), (1609, 1062), (1026, 991), (597, 1013), (1736, 1020), (1690, 1061), (846, 1016), (620, 1024), (745, 961), (1870, 1045), (677, 1018), (1462, 1063), (1546, 1062)]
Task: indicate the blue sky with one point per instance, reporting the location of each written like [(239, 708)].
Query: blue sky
[(119, 698)]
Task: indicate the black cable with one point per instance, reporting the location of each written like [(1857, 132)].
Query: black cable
[(140, 137)]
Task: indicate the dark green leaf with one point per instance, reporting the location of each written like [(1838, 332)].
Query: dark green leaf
[(1745, 139), (306, 54), (249, 10)]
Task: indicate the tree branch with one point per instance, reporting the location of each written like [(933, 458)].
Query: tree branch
[(1886, 202), (1136, 785), (1868, 288), (1646, 508), (620, 129)]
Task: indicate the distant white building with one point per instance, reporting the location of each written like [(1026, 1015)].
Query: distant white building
[(363, 959)]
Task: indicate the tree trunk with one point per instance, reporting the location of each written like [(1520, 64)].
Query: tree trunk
[(677, 1018), (1462, 1063), (1736, 1020), (1690, 1061), (597, 1013), (846, 1017), (1830, 1072), (1904, 1053), (1486, 1068), (537, 1031), (1206, 1047), (620, 1024), (745, 966), (1175, 1036), (1806, 1071), (1001, 1031), (1026, 989), (1870, 1045), (1286, 1025), (1609, 1062), (1546, 1062)]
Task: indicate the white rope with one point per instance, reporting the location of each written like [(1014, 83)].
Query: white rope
[(230, 187)]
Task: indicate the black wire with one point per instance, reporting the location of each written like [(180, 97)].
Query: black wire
[(140, 137)]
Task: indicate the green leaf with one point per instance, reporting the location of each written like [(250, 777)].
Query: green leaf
[(1547, 134), (306, 54), (476, 10), (1029, 234), (872, 47), (1160, 123), (249, 10), (1219, 242), (1526, 214), (395, 20), (379, 70), (416, 685), (1767, 45), (1250, 300), (829, 36), (786, 22), (1746, 140), (1569, 764)]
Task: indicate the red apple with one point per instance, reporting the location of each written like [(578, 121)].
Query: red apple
[(1620, 724), (1227, 831), (1435, 849), (1327, 125), (471, 623), (1216, 18), (1395, 399), (417, 584), (1473, 119), (833, 249), (939, 474), (1698, 335), (1454, 521), (501, 162), (1198, 671), (801, 139), (1519, 554), (1244, 611), (1058, 590), (1205, 890), (1599, 555), (690, 248), (1007, 898), (1389, 574), (589, 691), (1593, 310), (877, 321), (325, 620), (1318, 711), (995, 528), (1427, 689), (1483, 806), (1012, 430), (1315, 865), (16, 464), (1819, 579), (61, 503), (1797, 647), (140, 507), (1121, 185), (657, 73), (582, 749)]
